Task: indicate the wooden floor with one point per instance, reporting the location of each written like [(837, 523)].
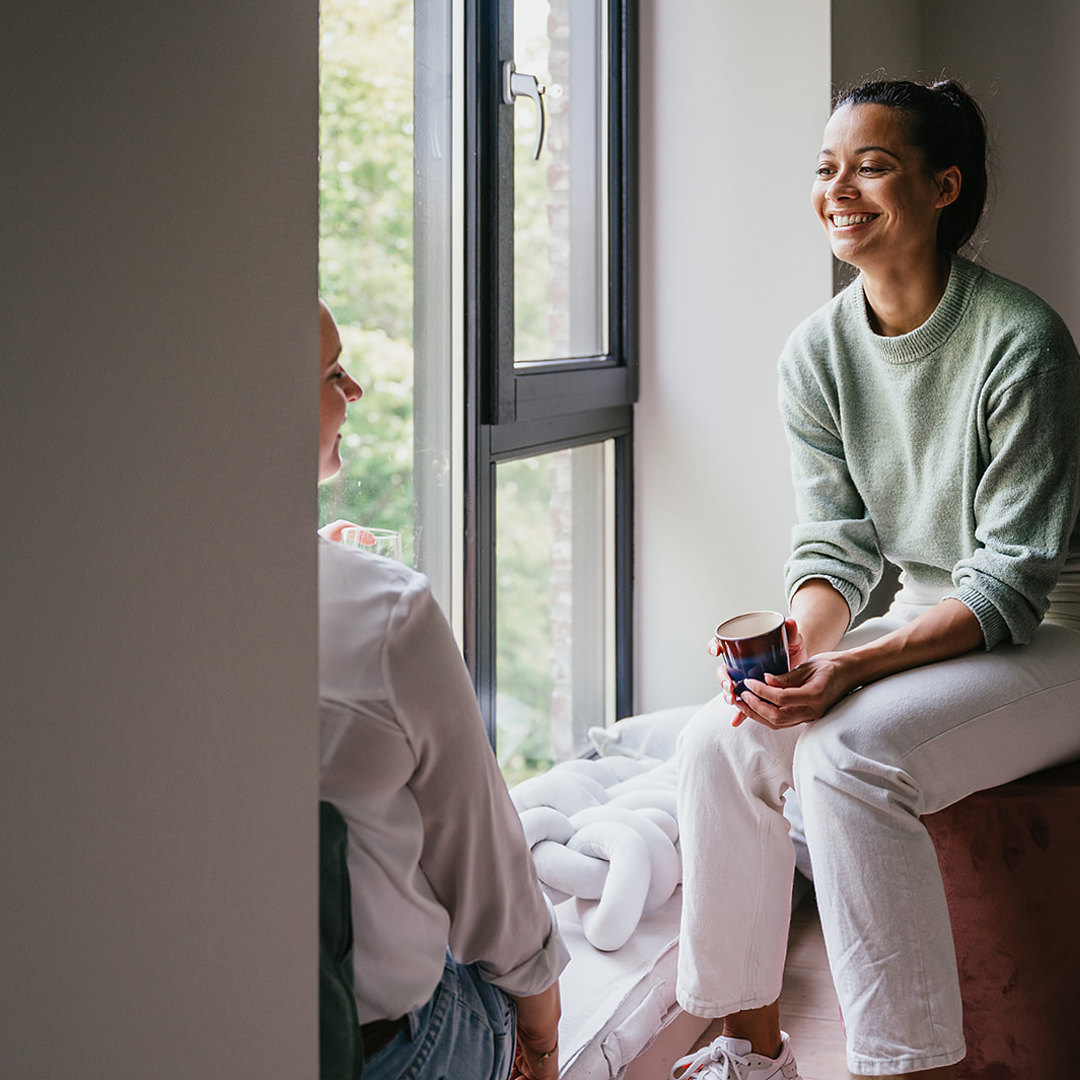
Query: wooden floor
[(808, 1009)]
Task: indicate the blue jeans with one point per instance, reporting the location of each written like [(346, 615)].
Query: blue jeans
[(466, 1031)]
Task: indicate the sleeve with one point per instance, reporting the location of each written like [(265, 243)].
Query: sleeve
[(1025, 503), (835, 538), (474, 852)]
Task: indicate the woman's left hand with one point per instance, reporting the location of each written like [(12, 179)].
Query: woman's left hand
[(536, 1055), (805, 693), (797, 654)]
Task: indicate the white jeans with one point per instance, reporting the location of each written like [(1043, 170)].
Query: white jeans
[(908, 745)]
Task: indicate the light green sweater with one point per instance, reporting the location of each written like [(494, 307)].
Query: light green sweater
[(952, 451)]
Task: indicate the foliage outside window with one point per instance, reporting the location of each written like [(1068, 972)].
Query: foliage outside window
[(368, 187), (366, 250)]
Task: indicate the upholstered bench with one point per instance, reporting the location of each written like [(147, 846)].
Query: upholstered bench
[(1010, 860)]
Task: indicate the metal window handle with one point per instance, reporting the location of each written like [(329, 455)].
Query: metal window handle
[(518, 84)]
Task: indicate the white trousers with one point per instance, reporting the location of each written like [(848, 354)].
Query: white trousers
[(892, 751)]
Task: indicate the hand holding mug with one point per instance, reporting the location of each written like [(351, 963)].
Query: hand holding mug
[(753, 645)]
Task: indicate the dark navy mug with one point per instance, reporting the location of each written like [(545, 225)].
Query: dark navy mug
[(752, 645)]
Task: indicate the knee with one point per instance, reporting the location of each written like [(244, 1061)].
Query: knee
[(817, 756), (751, 761), (709, 742), (702, 730), (834, 759)]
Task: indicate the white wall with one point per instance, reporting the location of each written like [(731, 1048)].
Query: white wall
[(158, 663), (734, 99)]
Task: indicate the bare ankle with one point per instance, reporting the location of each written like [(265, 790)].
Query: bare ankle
[(761, 1027)]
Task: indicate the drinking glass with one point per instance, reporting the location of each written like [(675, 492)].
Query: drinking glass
[(374, 541)]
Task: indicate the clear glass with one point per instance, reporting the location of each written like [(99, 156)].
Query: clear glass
[(561, 256), (554, 557), (385, 217)]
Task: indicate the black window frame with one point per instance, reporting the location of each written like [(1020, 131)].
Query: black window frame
[(515, 412)]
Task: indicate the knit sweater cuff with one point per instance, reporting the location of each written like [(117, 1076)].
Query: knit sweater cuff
[(994, 627), (852, 597)]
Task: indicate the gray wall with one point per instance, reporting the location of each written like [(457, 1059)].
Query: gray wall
[(157, 431), (876, 39), (1021, 59)]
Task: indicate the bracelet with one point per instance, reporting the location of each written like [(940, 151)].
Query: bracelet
[(541, 1059)]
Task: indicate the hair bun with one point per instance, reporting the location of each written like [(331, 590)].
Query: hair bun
[(951, 90)]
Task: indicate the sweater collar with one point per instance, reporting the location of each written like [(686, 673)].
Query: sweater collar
[(925, 339)]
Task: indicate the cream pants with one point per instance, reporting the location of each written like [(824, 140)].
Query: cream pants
[(906, 746)]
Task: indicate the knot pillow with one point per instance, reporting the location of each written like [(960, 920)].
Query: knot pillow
[(606, 834)]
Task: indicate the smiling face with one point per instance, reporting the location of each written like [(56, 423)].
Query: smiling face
[(336, 389), (875, 196)]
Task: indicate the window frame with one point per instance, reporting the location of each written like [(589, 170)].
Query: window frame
[(515, 412)]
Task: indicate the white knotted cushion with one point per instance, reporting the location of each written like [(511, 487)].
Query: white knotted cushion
[(561, 789), (604, 832), (545, 823), (609, 922), (562, 869), (642, 798), (593, 769), (662, 860), (667, 823)]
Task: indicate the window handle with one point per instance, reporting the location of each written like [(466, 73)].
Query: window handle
[(518, 84)]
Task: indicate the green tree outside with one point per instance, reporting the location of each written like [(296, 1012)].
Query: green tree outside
[(366, 276), (366, 250)]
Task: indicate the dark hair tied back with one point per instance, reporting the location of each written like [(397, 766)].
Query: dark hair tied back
[(945, 122)]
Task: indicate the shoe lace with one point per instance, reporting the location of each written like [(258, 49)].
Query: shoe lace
[(713, 1054)]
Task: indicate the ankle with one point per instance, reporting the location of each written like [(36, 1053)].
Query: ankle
[(760, 1026), (764, 1043)]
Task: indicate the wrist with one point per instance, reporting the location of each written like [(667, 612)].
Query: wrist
[(541, 1059), (852, 669)]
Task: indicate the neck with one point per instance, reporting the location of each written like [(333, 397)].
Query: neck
[(900, 300)]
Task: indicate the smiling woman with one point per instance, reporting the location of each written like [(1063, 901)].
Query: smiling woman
[(932, 410), (881, 205), (947, 127), (873, 191), (336, 389)]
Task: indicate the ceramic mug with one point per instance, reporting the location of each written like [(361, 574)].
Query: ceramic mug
[(752, 645)]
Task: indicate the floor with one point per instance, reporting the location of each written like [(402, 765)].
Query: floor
[(809, 1012)]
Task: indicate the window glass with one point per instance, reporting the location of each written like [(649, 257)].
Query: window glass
[(561, 200), (365, 250), (554, 605), (518, 549), (385, 216)]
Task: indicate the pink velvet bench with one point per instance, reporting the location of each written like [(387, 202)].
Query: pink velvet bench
[(1010, 860)]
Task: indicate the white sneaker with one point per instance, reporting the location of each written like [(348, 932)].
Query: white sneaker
[(732, 1059)]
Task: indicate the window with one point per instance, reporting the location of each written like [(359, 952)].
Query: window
[(386, 208), (484, 298), (551, 363), (554, 604)]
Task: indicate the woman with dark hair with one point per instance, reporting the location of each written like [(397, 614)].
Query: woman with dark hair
[(455, 955), (933, 414)]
